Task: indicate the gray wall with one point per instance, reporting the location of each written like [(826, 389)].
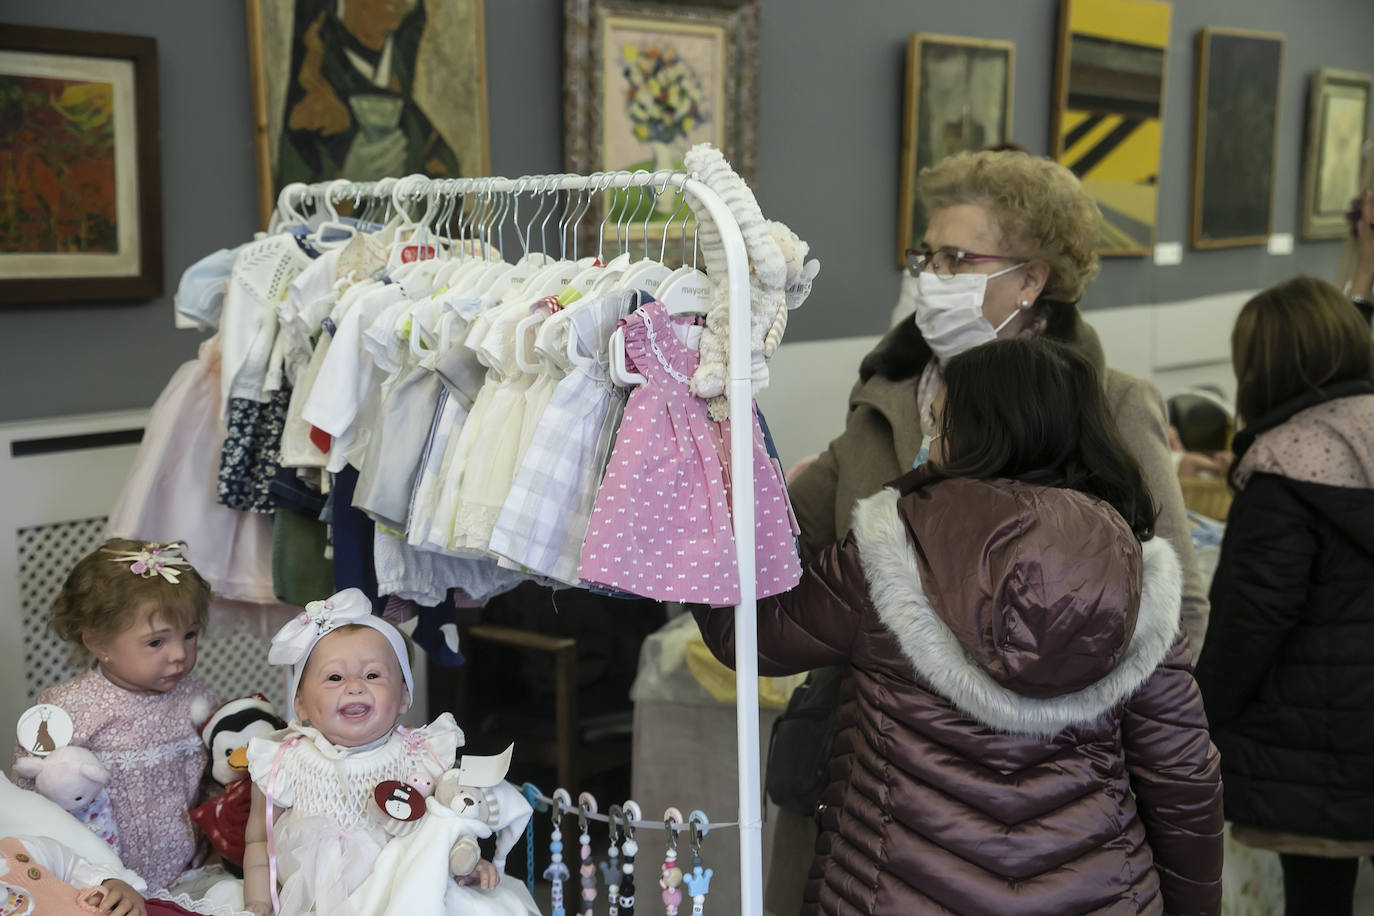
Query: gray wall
[(832, 78)]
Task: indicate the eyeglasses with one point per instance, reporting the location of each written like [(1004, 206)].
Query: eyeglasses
[(945, 262)]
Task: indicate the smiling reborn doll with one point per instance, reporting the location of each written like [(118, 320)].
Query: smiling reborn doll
[(312, 782)]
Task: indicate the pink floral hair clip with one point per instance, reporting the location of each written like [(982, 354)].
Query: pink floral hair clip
[(156, 560)]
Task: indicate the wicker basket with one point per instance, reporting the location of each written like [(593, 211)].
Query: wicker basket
[(1209, 496)]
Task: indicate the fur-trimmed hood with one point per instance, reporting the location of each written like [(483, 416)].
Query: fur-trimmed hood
[(1064, 617)]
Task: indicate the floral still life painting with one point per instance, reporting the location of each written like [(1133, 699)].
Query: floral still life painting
[(643, 83)]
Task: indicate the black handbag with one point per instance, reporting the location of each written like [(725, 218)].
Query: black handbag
[(801, 742)]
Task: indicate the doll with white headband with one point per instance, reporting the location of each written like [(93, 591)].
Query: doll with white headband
[(310, 839)]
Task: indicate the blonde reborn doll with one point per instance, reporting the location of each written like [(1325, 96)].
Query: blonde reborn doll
[(309, 830), (138, 609)]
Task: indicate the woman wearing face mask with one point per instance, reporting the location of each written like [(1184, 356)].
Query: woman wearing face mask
[(1032, 740), (1009, 249)]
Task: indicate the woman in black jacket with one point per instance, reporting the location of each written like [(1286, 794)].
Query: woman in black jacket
[(1287, 669)]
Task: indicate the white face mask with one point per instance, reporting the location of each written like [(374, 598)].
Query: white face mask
[(949, 312)]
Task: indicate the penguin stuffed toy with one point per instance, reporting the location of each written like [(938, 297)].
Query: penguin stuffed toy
[(226, 734)]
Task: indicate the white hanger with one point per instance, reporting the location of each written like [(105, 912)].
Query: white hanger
[(333, 222), (686, 290), (286, 214)]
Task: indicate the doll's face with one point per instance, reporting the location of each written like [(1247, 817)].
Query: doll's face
[(149, 657), (352, 688)]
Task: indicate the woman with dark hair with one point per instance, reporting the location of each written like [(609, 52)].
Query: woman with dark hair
[(1029, 736), (1287, 671), (1009, 250)]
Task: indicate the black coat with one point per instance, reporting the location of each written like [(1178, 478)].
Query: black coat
[(1287, 669)]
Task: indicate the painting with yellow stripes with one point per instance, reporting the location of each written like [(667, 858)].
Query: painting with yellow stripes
[(1108, 111)]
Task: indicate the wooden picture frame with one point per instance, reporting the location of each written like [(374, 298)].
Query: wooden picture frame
[(1337, 130), (1235, 136), (398, 89), (81, 155), (966, 87), (1107, 123), (704, 61)]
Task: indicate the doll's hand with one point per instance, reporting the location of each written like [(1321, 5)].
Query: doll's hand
[(258, 909), (116, 898), (484, 876)]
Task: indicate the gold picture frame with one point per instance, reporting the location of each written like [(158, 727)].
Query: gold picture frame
[(1337, 130), (1107, 123), (703, 61), (1238, 89), (366, 89), (967, 88)]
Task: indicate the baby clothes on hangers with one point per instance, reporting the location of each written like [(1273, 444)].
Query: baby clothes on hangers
[(200, 293), (661, 526), (544, 519)]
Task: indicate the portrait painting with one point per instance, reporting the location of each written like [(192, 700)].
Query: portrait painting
[(81, 202), (1235, 136), (366, 89), (645, 82), (1108, 111), (958, 97), (1337, 130)]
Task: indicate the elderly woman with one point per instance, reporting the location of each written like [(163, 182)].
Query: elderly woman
[(1009, 250)]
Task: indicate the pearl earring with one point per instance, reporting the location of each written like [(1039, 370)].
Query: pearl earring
[(1025, 303)]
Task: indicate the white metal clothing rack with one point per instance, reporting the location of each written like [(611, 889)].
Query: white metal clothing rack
[(741, 474)]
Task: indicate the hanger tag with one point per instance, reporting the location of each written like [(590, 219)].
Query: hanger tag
[(417, 253), (44, 728)]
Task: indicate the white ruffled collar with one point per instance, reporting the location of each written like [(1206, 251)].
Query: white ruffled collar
[(336, 751)]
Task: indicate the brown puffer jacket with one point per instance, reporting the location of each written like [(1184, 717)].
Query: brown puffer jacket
[(1032, 740)]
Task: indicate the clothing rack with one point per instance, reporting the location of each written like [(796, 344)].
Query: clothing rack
[(741, 399)]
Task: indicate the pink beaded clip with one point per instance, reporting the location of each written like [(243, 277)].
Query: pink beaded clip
[(671, 879)]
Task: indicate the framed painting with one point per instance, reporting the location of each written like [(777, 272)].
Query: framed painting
[(1337, 128), (81, 208), (1108, 111), (644, 82), (958, 97), (1235, 136), (366, 89)]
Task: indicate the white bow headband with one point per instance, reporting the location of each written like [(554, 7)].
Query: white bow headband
[(297, 638)]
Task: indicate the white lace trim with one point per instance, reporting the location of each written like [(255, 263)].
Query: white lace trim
[(200, 906), (653, 345), (153, 756)]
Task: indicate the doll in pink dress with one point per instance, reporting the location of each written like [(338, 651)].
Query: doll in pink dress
[(138, 609)]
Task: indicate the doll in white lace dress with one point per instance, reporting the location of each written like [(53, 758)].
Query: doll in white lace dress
[(310, 832)]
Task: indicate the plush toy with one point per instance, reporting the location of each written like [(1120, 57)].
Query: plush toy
[(226, 733), (477, 793), (75, 778)]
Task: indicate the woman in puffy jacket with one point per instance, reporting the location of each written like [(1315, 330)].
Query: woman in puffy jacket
[(1287, 671), (1031, 739)]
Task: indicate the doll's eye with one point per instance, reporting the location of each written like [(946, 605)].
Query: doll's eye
[(228, 752), (335, 677), (154, 644), (372, 675)]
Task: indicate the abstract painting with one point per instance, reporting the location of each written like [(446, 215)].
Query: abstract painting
[(1109, 102), (80, 201), (1235, 135), (1337, 129), (958, 97), (366, 89)]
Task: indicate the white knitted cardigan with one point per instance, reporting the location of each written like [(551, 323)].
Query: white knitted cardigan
[(779, 278)]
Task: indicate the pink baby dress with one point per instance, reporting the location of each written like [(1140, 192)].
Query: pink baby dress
[(661, 525)]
